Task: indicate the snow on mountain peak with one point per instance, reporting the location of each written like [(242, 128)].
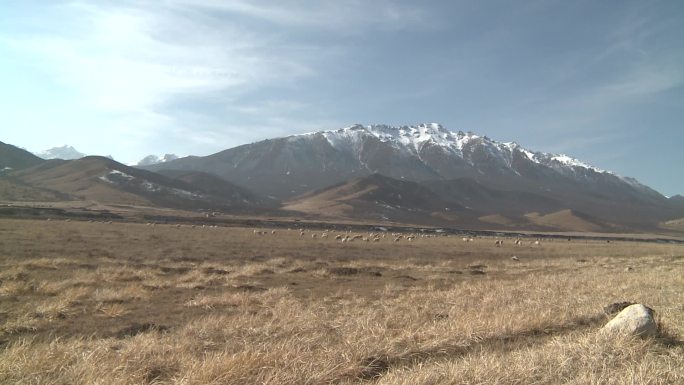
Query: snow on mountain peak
[(154, 159), (412, 139), (64, 152), (568, 161)]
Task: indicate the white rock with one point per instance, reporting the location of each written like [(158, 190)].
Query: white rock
[(635, 319)]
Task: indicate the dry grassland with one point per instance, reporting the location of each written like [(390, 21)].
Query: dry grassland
[(95, 303)]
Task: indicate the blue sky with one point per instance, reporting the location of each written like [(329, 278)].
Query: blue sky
[(602, 81)]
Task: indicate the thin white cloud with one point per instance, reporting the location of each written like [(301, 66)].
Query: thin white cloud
[(640, 82), (120, 66), (128, 61), (315, 13)]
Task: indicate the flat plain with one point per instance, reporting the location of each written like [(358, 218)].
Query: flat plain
[(93, 302)]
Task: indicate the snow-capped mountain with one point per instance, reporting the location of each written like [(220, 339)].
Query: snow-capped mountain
[(288, 166), (462, 168), (65, 152), (154, 159)]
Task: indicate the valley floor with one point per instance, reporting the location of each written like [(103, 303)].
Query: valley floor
[(131, 303)]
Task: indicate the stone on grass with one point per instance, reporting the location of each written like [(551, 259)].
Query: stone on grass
[(634, 320)]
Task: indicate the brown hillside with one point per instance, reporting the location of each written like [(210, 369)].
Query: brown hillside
[(380, 197), (104, 180), (567, 220)]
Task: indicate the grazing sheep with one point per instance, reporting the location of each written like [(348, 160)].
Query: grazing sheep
[(338, 237), (515, 258)]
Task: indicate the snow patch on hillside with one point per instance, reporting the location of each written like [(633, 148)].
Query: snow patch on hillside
[(116, 176)]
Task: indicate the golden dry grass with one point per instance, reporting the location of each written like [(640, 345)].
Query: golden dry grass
[(135, 304)]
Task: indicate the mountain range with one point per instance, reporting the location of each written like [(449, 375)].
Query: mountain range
[(422, 174), (289, 166), (101, 179)]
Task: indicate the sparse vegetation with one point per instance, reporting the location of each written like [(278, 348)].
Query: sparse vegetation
[(136, 304)]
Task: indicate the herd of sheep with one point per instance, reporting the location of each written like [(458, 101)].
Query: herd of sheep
[(349, 236), (345, 236)]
